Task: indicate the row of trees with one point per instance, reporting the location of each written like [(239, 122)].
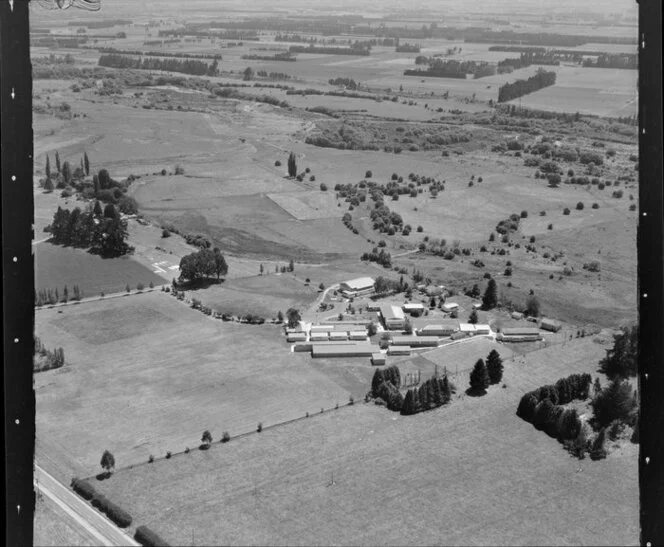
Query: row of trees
[(104, 234), (203, 264), (330, 50), (186, 66), (45, 359), (519, 88), (212, 56), (64, 174), (49, 296), (380, 256)]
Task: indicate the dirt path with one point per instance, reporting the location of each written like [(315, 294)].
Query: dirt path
[(102, 529)]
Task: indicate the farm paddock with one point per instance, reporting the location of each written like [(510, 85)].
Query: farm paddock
[(434, 473), (137, 397)]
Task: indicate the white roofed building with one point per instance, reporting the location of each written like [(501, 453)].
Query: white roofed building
[(357, 286)]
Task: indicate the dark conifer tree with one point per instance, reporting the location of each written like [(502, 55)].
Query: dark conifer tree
[(494, 366), (86, 164), (479, 377), (48, 167), (378, 379), (597, 449), (526, 408), (292, 165), (490, 299), (97, 210), (57, 162)]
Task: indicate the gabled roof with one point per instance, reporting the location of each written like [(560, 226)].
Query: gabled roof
[(359, 283)]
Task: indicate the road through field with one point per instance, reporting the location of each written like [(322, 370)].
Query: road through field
[(102, 529)]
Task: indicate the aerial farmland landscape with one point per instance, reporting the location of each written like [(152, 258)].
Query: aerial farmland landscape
[(335, 274)]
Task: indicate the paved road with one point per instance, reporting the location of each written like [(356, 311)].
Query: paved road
[(83, 514)]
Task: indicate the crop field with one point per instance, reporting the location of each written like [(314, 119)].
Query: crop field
[(324, 475), (203, 374)]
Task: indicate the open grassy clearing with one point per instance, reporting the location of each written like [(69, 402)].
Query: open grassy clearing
[(137, 398), (259, 295), (443, 486)]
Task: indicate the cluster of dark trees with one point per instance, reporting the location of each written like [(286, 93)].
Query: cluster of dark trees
[(286, 56), (187, 66), (329, 50), (64, 175), (348, 83), (380, 256), (211, 56), (292, 165), (383, 285), (221, 35), (543, 406), (519, 49), (542, 79), (408, 48), (273, 75), (107, 23), (508, 225), (45, 359), (485, 374), (621, 360), (385, 220), (48, 296), (527, 59), (433, 393), (539, 39), (439, 68), (203, 264), (606, 60), (104, 233)]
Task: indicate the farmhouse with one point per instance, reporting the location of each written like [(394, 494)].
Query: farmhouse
[(414, 309), (347, 350), (450, 307), (415, 341), (357, 286), (393, 317), (444, 329), (550, 325)]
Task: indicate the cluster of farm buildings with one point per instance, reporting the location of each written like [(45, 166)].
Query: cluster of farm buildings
[(352, 339)]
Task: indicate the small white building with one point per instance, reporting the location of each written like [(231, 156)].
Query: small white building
[(449, 307), (467, 328), (339, 335), (358, 335), (357, 286), (318, 336), (297, 337), (378, 359)]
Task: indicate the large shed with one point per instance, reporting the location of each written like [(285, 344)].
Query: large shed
[(357, 286), (440, 329), (393, 317), (551, 325), (450, 307), (358, 350), (415, 341)]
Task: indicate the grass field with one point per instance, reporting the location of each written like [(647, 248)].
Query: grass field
[(434, 474), (57, 266), (137, 398)]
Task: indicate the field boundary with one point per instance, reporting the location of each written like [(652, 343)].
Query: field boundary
[(245, 434)]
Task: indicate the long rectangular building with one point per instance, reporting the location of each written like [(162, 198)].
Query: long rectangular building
[(415, 341), (439, 329), (357, 350)]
